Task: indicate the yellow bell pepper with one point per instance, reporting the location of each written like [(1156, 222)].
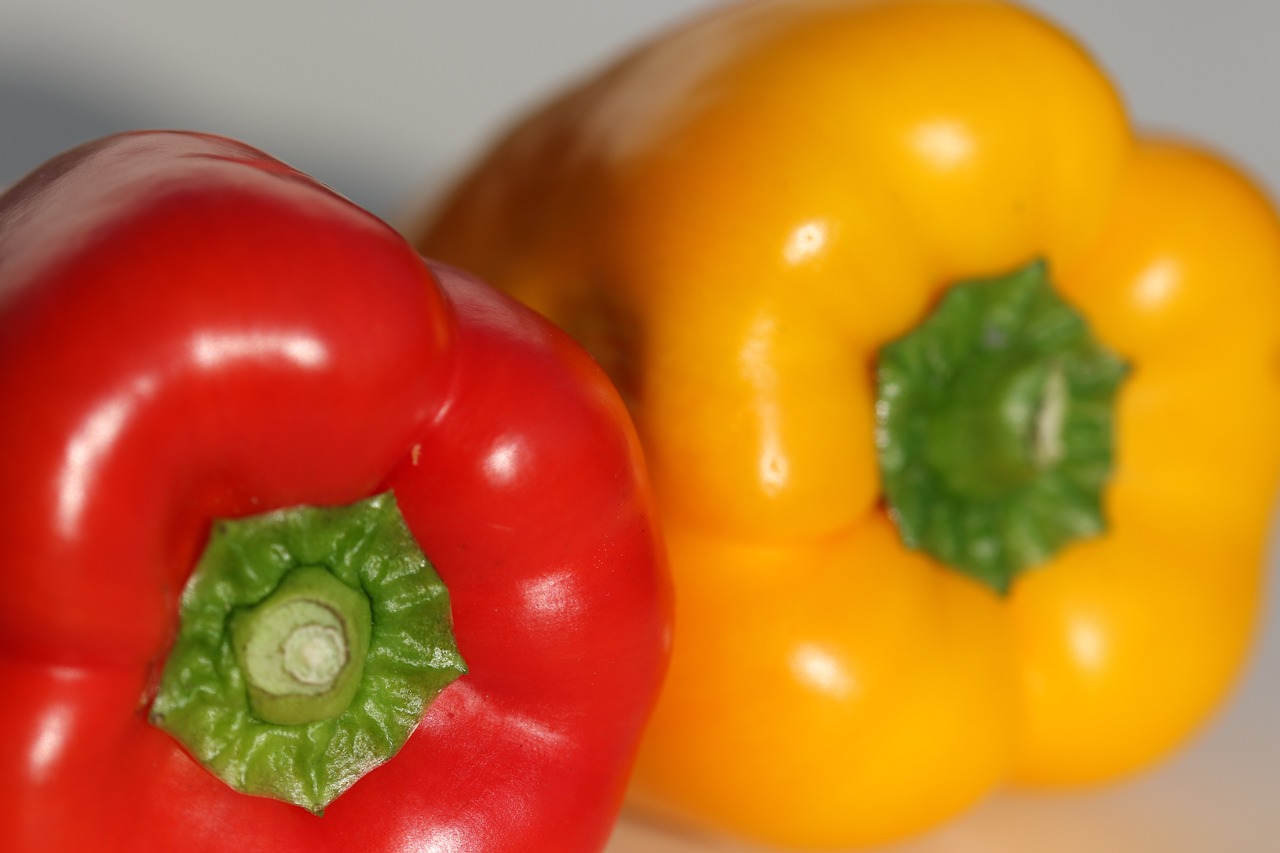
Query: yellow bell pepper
[(936, 525)]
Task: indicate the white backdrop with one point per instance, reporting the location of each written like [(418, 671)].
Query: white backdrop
[(383, 99)]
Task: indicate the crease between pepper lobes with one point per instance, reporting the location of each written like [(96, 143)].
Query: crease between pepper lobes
[(735, 218)]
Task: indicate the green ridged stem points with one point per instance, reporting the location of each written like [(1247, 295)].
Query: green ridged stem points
[(310, 643), (995, 427)]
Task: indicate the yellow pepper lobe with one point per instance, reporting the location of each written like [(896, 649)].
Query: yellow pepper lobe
[(736, 218)]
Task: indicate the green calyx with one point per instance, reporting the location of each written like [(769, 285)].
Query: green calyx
[(995, 427), (311, 641)]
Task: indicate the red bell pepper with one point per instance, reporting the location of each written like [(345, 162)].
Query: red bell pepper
[(191, 331)]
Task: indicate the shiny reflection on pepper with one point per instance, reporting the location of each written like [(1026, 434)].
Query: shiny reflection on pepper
[(552, 596), (47, 745), (439, 838), (806, 242), (502, 463), (1088, 643), (944, 143), (53, 730), (756, 361), (90, 445), (822, 670), (211, 351), (1157, 282)]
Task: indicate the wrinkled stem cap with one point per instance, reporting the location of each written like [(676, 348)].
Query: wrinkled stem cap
[(311, 641), (995, 422)]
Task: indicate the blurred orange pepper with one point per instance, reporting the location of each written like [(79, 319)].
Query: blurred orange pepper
[(753, 222)]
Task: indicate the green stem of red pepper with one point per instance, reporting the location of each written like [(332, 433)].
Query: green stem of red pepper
[(310, 643), (302, 649), (995, 421)]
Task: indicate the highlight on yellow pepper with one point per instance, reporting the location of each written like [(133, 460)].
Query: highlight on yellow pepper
[(960, 399)]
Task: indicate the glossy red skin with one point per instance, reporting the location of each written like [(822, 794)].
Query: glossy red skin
[(188, 330)]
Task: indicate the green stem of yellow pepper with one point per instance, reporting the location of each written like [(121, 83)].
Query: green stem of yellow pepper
[(995, 420)]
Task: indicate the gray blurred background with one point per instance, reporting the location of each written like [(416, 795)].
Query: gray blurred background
[(384, 99)]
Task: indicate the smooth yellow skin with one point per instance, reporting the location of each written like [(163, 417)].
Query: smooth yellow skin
[(734, 219)]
